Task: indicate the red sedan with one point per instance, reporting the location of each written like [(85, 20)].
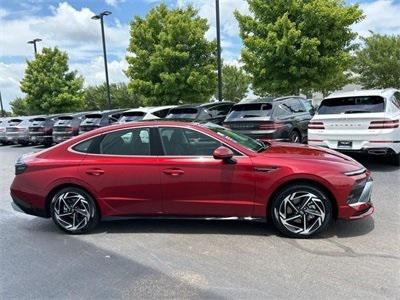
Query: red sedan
[(165, 168)]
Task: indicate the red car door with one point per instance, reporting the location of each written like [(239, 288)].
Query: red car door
[(123, 174), (195, 184)]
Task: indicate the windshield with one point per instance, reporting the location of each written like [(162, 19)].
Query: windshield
[(352, 105), (250, 110), (238, 138), (183, 113)]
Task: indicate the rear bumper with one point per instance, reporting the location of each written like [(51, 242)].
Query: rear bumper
[(40, 139), (365, 142), (20, 205), (61, 137)]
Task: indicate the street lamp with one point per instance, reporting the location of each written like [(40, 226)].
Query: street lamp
[(218, 51), (100, 17), (34, 41)]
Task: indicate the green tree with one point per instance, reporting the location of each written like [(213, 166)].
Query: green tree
[(235, 83), (378, 62), (297, 45), (19, 107), (170, 60), (96, 97), (49, 85)]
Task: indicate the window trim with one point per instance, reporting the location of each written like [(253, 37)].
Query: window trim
[(70, 148)]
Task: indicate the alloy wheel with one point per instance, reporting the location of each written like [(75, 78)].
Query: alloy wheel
[(295, 137), (72, 211), (301, 212)]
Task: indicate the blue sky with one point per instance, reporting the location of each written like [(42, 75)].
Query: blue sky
[(67, 24)]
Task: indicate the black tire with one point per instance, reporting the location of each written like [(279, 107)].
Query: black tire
[(295, 137), (281, 211), (395, 159), (85, 209)]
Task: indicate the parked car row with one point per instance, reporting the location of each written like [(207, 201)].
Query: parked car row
[(359, 121)]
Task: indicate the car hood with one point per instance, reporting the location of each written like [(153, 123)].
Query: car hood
[(299, 151)]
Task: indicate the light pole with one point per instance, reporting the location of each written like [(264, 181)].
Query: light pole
[(34, 41), (100, 17), (218, 51)]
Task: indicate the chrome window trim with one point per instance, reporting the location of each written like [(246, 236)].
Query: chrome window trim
[(142, 156)]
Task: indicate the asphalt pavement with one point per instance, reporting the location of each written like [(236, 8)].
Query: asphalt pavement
[(148, 259)]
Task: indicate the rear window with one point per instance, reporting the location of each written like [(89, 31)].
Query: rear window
[(183, 113), (352, 105), (66, 118), (14, 122), (250, 110), (132, 116), (92, 119)]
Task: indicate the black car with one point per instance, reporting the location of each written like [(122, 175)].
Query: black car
[(209, 112), (284, 119), (67, 126), (41, 130), (98, 119)]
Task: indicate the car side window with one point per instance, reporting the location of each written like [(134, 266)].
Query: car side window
[(84, 146), (186, 142), (281, 111), (220, 110), (162, 113), (134, 141), (396, 99)]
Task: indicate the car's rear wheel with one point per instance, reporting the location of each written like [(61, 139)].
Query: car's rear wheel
[(74, 210), (395, 159), (301, 211), (295, 137)]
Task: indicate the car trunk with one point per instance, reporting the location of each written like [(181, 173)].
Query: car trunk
[(250, 116), (63, 124), (13, 125), (37, 125), (90, 122)]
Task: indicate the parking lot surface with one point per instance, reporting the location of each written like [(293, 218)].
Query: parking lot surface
[(201, 259)]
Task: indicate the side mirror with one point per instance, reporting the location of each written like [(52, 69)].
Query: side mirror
[(224, 154)]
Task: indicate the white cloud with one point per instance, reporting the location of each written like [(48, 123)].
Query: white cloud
[(10, 75), (229, 25), (114, 2), (71, 29), (381, 16)]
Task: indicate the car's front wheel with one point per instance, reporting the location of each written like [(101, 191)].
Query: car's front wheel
[(301, 211), (74, 210)]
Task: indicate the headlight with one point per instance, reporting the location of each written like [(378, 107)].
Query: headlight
[(356, 172)]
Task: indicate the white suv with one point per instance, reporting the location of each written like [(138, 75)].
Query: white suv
[(359, 121)]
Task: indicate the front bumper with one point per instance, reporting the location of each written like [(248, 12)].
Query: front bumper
[(361, 207)]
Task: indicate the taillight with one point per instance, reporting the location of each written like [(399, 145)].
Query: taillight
[(270, 125), (384, 124), (2, 129), (316, 125)]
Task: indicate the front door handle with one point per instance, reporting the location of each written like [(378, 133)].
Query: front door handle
[(173, 172), (95, 172)]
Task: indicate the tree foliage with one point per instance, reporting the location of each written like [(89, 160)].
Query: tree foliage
[(170, 60), (49, 85), (235, 83), (96, 97), (19, 107), (297, 45), (378, 62)]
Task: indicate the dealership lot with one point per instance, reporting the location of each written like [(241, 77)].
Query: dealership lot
[(201, 259)]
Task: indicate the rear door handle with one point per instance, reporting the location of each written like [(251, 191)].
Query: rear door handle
[(173, 172), (95, 172)]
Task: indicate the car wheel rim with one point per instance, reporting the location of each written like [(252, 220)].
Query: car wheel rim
[(302, 213), (72, 211), (295, 138)]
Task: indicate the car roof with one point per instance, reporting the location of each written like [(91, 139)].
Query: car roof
[(203, 105), (386, 93), (150, 110), (268, 99)]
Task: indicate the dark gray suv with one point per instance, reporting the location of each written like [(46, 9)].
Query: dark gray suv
[(283, 119)]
